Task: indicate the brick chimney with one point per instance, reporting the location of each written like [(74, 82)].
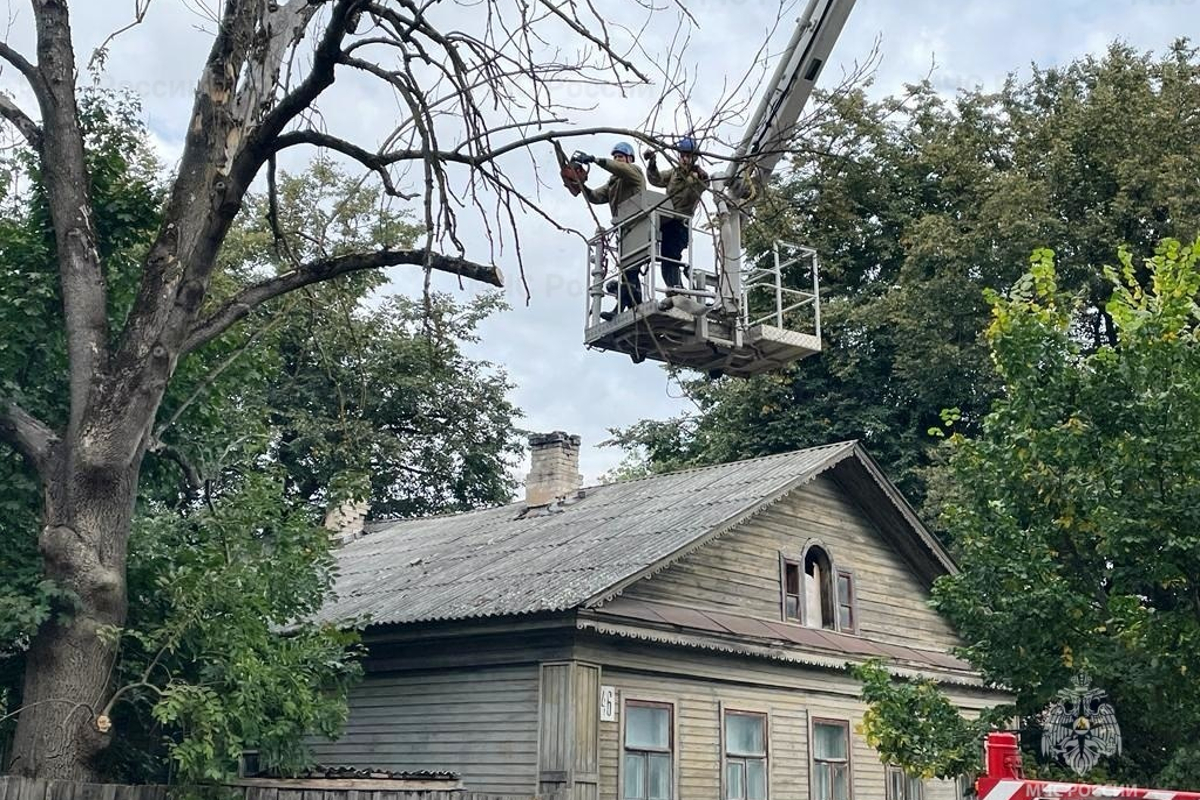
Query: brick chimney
[(554, 472), (346, 521)]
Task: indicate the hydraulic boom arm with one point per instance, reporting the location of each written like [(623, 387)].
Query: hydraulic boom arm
[(770, 130), (774, 121)]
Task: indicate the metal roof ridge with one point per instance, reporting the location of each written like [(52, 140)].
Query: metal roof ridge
[(382, 524), (703, 467)]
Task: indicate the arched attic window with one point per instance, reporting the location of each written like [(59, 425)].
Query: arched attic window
[(819, 601)]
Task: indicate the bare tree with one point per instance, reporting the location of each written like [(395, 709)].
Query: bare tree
[(466, 97)]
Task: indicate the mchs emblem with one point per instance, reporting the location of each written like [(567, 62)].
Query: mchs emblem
[(1080, 727)]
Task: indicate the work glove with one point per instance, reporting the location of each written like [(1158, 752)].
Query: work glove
[(585, 158), (648, 155)]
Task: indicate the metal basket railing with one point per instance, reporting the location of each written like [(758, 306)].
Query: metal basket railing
[(635, 242), (766, 300)]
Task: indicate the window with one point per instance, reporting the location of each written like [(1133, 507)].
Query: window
[(847, 619), (831, 760), (903, 787), (818, 589), (745, 756), (646, 770), (791, 591)]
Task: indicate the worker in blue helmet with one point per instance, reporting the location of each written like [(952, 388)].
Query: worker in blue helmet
[(625, 181), (685, 185)]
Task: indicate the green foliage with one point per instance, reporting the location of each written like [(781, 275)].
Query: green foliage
[(918, 204), (913, 725), (213, 652), (332, 393), (357, 396), (1077, 506), (32, 347)]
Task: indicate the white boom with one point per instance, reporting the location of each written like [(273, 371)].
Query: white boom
[(769, 132)]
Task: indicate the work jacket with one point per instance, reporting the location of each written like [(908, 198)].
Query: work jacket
[(684, 187), (626, 182)]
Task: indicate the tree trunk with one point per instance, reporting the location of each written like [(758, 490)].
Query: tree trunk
[(68, 673)]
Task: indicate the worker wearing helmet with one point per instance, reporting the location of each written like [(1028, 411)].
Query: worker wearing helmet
[(685, 185), (626, 181)]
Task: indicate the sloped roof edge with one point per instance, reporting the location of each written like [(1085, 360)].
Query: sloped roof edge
[(839, 453)]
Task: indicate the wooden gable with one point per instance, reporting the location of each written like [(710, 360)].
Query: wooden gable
[(740, 572)]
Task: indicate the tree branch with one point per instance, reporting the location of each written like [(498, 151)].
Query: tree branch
[(377, 162), (249, 298), (192, 478), (66, 180), (30, 71), (600, 42), (21, 121), (30, 436)]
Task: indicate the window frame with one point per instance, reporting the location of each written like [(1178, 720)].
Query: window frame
[(891, 770), (748, 711), (624, 702), (828, 595), (786, 562), (851, 603), (844, 724)]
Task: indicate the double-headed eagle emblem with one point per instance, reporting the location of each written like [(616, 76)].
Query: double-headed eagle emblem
[(1080, 727)]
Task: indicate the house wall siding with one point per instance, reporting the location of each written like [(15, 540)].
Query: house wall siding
[(739, 573), (698, 704), (479, 722)]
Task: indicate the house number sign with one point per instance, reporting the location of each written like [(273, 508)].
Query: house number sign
[(608, 704)]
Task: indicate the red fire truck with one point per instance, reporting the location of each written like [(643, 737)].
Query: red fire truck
[(1003, 779)]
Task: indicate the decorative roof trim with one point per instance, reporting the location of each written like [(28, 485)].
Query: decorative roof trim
[(777, 652), (906, 510)]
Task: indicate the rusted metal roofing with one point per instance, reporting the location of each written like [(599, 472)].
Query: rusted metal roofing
[(770, 632), (510, 560)]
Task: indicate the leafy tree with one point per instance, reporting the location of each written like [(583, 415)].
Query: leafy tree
[(206, 670), (469, 99), (225, 550), (32, 348), (917, 204), (1075, 509), (913, 725)]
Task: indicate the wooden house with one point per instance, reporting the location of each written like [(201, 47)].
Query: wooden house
[(677, 637)]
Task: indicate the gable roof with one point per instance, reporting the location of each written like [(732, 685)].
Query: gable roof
[(505, 561)]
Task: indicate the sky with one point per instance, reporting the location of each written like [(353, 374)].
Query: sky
[(560, 385)]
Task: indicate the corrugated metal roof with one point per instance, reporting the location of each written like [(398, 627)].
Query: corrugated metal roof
[(500, 562)]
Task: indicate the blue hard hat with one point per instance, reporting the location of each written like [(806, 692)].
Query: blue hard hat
[(686, 145), (624, 148)]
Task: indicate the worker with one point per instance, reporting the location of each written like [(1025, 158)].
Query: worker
[(625, 181), (685, 185)]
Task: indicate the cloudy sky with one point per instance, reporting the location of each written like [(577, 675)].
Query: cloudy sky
[(559, 384)]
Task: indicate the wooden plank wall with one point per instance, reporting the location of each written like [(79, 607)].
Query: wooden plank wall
[(698, 705), (14, 788), (480, 723), (699, 685), (739, 573)]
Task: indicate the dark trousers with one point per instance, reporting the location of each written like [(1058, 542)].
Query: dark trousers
[(674, 239), (629, 289)]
